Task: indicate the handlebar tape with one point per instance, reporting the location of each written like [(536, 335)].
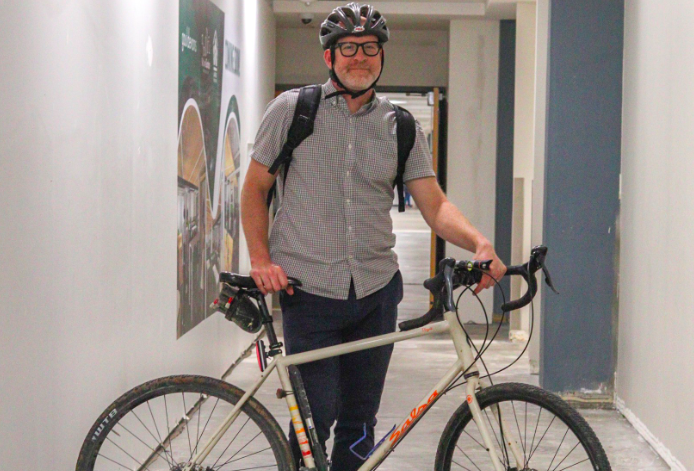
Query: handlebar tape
[(245, 281), (421, 321)]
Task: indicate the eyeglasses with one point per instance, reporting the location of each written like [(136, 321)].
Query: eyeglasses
[(350, 49)]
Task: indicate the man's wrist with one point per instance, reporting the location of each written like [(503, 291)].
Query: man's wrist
[(261, 260), (482, 243)]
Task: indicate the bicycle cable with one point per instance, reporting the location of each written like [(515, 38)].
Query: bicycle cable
[(467, 335), (486, 343)]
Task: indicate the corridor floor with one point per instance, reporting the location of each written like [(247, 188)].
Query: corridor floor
[(418, 364)]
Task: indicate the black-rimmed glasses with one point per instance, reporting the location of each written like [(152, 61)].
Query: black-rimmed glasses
[(350, 49)]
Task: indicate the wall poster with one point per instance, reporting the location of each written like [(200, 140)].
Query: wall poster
[(208, 158)]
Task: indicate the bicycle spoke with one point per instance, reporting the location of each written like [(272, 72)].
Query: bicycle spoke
[(197, 410), (170, 463), (537, 424), (557, 452), (520, 435), (185, 415), (567, 455), (197, 433), (491, 428), (532, 452), (143, 424), (246, 456), (575, 464), (121, 449), (474, 440), (493, 432), (168, 431), (240, 450), (469, 459), (114, 461), (255, 467), (232, 441), (504, 449), (465, 468), (207, 422), (525, 433), (157, 429)]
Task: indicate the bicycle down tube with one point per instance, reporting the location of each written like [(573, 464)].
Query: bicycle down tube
[(465, 362)]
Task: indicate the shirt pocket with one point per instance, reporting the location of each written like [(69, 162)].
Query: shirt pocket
[(379, 161)]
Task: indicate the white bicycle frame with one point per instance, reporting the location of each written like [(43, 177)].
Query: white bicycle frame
[(465, 363)]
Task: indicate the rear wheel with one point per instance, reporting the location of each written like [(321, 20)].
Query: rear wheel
[(550, 434), (160, 425)]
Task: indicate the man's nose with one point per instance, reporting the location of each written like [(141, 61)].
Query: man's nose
[(360, 56)]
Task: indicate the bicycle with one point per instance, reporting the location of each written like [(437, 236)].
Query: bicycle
[(205, 424)]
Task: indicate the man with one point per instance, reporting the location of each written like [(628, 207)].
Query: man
[(333, 230)]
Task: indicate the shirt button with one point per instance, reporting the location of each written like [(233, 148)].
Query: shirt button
[(351, 257), (349, 228), (349, 146), (349, 201), (348, 173)]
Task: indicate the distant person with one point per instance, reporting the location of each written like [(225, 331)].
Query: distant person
[(408, 197)]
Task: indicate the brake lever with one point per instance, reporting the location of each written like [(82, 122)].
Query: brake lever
[(448, 271), (548, 279)]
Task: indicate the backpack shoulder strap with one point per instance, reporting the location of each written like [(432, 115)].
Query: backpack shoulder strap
[(406, 133), (301, 127)]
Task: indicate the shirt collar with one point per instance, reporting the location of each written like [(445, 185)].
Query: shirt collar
[(329, 87)]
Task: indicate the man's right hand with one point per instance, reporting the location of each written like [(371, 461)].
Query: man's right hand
[(270, 278)]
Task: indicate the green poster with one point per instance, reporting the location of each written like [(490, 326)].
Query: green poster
[(201, 246)]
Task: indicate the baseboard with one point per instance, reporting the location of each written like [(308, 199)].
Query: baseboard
[(656, 444)]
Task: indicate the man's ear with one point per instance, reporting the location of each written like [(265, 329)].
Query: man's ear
[(327, 58)]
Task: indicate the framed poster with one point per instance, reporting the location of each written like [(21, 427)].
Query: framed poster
[(208, 159)]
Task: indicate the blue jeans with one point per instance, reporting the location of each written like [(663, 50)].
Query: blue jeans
[(348, 388)]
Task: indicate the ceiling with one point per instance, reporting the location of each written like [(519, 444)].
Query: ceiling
[(401, 14)]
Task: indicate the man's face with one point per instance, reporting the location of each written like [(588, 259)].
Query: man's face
[(359, 71)]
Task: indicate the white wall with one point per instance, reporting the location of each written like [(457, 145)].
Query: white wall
[(524, 141), (413, 58), (472, 94), (88, 214), (656, 326)]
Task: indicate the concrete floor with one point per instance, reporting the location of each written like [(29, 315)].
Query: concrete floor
[(418, 364)]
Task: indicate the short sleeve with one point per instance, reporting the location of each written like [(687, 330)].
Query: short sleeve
[(273, 129), (419, 163)]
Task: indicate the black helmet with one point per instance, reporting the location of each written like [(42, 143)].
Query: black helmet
[(346, 21)]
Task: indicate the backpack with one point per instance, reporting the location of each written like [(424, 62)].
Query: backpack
[(302, 127)]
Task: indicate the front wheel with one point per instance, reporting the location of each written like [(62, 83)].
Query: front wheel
[(160, 425), (549, 434)]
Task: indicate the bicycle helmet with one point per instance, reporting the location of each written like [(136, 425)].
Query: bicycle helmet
[(347, 21)]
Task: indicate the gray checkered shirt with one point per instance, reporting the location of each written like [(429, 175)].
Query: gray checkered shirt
[(334, 223)]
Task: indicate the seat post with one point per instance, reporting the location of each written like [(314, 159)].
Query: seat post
[(267, 322)]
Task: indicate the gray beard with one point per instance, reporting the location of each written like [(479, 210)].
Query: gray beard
[(358, 84)]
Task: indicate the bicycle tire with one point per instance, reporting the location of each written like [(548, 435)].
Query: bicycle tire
[(461, 446), (127, 435)]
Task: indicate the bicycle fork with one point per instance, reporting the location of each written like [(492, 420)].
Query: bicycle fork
[(472, 376)]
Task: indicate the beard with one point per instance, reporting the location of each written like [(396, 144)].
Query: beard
[(357, 78)]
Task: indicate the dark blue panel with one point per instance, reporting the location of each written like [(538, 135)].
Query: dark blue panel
[(581, 192), (504, 151)]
